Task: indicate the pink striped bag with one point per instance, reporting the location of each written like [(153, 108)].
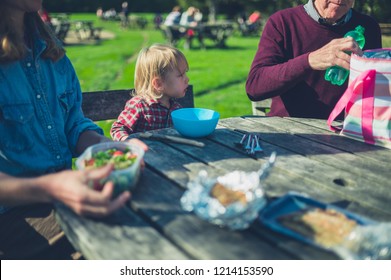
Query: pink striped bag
[(367, 100)]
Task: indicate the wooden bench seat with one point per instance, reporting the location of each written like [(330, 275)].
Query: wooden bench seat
[(108, 104), (261, 108), (61, 29), (137, 22), (85, 30), (385, 28), (172, 33)]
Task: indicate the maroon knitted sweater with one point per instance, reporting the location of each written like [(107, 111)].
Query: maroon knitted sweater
[(281, 70)]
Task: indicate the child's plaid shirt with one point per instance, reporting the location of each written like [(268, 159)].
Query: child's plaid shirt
[(141, 114)]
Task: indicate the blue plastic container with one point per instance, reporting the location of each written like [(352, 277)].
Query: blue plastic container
[(195, 122)]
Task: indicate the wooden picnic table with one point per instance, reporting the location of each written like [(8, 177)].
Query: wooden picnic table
[(61, 27), (218, 32), (312, 160), (85, 29)]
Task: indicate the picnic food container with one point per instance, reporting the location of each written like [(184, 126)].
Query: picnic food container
[(367, 239), (232, 200), (293, 206), (195, 122), (123, 179)]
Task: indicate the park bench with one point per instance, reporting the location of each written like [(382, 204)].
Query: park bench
[(61, 25), (61, 29), (108, 104), (85, 30), (172, 34), (385, 28), (218, 32), (246, 29), (137, 22), (261, 108)]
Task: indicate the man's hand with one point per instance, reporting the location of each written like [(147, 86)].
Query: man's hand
[(334, 53)]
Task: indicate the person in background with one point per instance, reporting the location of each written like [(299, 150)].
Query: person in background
[(43, 13), (110, 14), (99, 12), (42, 128), (160, 77), (296, 47), (254, 17), (254, 21), (174, 17), (250, 25), (189, 19), (45, 16), (124, 14), (198, 16), (171, 26), (157, 20)]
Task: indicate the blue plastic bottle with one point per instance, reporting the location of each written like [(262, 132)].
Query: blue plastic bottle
[(338, 75)]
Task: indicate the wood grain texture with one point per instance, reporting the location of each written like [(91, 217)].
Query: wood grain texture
[(311, 160)]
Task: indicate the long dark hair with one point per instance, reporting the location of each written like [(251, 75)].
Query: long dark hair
[(12, 45)]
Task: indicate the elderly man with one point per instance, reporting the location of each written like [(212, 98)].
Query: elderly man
[(297, 46)]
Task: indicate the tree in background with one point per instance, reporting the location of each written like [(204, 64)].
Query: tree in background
[(380, 9)]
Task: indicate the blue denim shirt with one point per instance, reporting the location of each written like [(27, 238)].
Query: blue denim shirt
[(40, 115)]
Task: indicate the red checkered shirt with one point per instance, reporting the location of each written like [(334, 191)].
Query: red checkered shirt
[(141, 114)]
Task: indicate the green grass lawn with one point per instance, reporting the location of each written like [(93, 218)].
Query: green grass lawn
[(217, 75)]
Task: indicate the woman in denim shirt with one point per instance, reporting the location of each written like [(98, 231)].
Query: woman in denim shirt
[(42, 127)]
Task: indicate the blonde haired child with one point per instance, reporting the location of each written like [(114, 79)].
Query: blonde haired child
[(160, 77)]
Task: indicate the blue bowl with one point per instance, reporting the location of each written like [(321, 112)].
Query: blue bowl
[(195, 122)]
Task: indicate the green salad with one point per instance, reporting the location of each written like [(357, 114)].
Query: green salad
[(121, 159)]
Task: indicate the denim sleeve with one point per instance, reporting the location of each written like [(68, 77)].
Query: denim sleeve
[(77, 123)]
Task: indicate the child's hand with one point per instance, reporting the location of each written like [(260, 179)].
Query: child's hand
[(140, 144)]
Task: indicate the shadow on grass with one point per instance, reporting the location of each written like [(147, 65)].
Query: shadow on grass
[(219, 87)]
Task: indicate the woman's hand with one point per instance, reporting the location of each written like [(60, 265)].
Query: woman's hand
[(78, 190), (334, 53)]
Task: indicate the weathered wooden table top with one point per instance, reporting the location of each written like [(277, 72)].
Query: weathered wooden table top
[(312, 160)]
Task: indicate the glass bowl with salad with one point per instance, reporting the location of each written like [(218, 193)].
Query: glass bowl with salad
[(126, 157)]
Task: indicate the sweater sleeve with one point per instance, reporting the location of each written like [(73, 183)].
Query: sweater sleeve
[(274, 70)]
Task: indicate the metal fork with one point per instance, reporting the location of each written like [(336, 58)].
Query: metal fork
[(250, 142), (258, 147)]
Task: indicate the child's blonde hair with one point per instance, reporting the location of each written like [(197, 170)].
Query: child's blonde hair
[(155, 62)]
